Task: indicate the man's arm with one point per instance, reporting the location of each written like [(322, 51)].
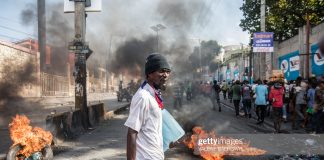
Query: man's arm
[(131, 144)]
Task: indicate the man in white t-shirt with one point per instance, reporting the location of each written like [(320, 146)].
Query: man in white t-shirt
[(144, 137)]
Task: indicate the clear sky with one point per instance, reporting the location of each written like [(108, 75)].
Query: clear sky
[(210, 19)]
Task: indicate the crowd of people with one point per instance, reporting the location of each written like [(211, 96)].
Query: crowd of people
[(300, 102)]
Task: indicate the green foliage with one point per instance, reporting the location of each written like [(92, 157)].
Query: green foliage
[(283, 17)]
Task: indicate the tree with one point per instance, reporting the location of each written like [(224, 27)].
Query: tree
[(283, 17)]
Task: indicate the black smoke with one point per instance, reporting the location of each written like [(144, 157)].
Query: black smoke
[(130, 56), (13, 81), (180, 17), (59, 31), (28, 16)]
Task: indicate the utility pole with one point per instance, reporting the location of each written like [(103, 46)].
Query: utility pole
[(263, 26), (82, 52), (200, 68), (307, 45), (242, 63), (107, 63), (250, 65), (262, 56), (41, 32)]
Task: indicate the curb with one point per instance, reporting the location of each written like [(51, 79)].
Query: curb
[(111, 113)]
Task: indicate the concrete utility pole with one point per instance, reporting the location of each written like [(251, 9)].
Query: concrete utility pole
[(263, 26), (307, 45), (250, 65), (41, 33), (82, 52), (262, 56)]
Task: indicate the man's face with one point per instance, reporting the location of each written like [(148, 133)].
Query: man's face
[(159, 78)]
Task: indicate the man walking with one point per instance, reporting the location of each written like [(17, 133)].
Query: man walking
[(215, 97), (276, 94), (237, 93), (319, 107), (224, 88), (261, 93), (300, 102), (246, 95), (144, 137)]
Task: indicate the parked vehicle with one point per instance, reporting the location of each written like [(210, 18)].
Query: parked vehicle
[(124, 93)]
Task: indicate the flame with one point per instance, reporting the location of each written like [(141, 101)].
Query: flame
[(213, 151), (31, 139)]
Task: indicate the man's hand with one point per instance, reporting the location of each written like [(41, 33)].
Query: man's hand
[(131, 144), (173, 144)]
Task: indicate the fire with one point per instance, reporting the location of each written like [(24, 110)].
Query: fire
[(210, 147), (31, 139)]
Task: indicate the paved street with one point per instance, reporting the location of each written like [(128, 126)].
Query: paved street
[(108, 141)]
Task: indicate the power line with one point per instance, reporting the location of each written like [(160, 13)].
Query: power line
[(2, 35), (10, 20), (17, 31)]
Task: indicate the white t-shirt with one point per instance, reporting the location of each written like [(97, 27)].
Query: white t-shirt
[(145, 117)]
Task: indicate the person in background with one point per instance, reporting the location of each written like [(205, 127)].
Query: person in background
[(215, 98), (237, 94), (285, 107), (276, 95), (268, 106), (300, 102), (246, 96), (261, 93), (319, 107), (310, 106), (189, 90), (177, 96), (230, 91), (224, 89)]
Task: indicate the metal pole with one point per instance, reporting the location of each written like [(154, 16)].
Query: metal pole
[(107, 65), (250, 65), (200, 69), (80, 65), (307, 45), (242, 63), (157, 41), (41, 32)]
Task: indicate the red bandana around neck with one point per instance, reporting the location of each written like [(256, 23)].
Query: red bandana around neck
[(159, 101)]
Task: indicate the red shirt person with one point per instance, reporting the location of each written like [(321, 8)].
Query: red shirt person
[(276, 97)]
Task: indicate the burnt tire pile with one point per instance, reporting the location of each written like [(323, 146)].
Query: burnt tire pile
[(47, 153)]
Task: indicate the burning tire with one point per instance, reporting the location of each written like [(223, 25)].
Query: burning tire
[(46, 153)]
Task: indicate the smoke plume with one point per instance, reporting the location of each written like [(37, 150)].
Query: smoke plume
[(13, 81), (123, 33), (130, 56), (28, 15)]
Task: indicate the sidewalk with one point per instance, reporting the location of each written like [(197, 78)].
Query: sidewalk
[(107, 141), (61, 104)]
